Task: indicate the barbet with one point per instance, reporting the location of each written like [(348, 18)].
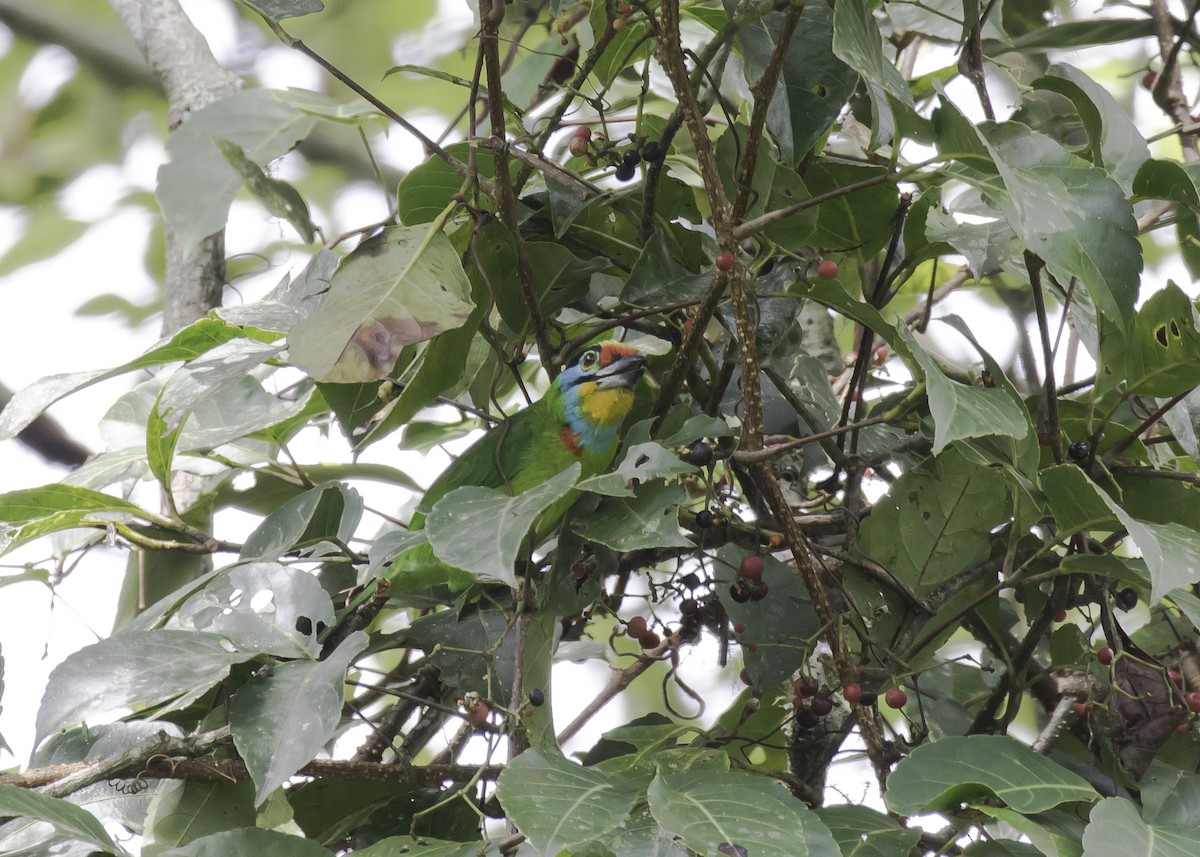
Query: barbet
[(578, 420)]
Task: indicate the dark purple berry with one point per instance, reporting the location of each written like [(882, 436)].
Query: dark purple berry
[(625, 172), (536, 697), (1127, 598), (740, 592), (632, 157), (701, 454), (652, 150), (1078, 450), (689, 607), (805, 718), (758, 590), (704, 519)]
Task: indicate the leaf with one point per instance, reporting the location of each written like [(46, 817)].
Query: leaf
[(1158, 179), (429, 187), (278, 10), (1115, 828), (403, 285), (857, 42), (1161, 356), (708, 809), (1115, 143), (475, 651), (197, 185), (192, 341), (282, 720), (259, 608), (58, 507), (290, 301), (927, 529), (861, 220), (497, 522), (1074, 501), (184, 811), (67, 818), (1055, 833), (558, 804), (656, 278), (864, 832), (278, 197), (641, 462), (134, 668), (814, 83), (944, 774), (1070, 214), (645, 521), (1171, 552), (249, 840), (960, 411), (329, 511)]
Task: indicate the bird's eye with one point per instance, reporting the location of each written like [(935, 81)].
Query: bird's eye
[(589, 359)]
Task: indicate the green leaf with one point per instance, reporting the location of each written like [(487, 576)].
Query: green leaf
[(67, 818), (708, 809), (1055, 832), (46, 233), (497, 521), (1161, 356), (1079, 34), (428, 188), (927, 528), (861, 220), (647, 520), (857, 42), (192, 341), (1071, 214), (329, 511), (475, 651), (282, 720), (30, 504), (423, 846), (249, 840), (278, 197), (1171, 552), (290, 301), (942, 775), (864, 832), (1074, 501), (403, 285), (961, 412), (134, 668), (1115, 828), (1116, 144), (558, 804), (656, 278), (278, 10), (641, 462), (258, 607), (183, 812), (197, 185), (1158, 179)]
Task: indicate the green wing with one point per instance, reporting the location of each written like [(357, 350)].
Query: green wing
[(514, 455)]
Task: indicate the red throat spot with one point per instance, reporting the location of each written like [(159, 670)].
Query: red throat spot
[(570, 441)]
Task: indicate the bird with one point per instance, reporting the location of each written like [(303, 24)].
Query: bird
[(579, 419)]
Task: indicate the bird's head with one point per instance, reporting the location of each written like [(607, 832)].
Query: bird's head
[(597, 386)]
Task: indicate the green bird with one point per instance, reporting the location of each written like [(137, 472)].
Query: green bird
[(578, 420)]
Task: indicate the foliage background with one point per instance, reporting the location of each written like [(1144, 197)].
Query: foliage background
[(1089, 163)]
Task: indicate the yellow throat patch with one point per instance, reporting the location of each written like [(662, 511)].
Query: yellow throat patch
[(604, 407)]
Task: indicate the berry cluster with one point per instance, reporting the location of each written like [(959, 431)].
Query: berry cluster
[(810, 703), (584, 145), (637, 628)]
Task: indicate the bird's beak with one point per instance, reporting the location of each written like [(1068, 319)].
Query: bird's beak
[(622, 372)]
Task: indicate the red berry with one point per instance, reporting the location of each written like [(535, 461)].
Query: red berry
[(895, 698), (1060, 616), (751, 567), (583, 132), (1182, 729), (758, 590), (689, 607), (827, 270), (578, 570), (478, 715), (1105, 656), (724, 261), (637, 627), (880, 355), (821, 705), (1084, 707), (752, 647), (650, 640), (739, 628), (797, 702), (744, 675), (852, 693), (625, 9), (1175, 676), (1193, 701), (802, 687)]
